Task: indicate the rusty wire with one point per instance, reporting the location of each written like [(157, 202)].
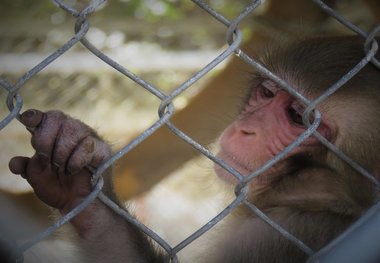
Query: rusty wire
[(166, 110)]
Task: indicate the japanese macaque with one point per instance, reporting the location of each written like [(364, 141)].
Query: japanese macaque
[(311, 193)]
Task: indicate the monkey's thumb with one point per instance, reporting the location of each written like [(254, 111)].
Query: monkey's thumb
[(18, 164)]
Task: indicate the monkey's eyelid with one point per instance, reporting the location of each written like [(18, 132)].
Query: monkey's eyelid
[(270, 85)]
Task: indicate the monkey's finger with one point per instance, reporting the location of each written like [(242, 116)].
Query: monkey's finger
[(18, 164), (102, 152), (91, 153), (45, 134), (82, 156), (39, 173), (69, 138), (31, 118)]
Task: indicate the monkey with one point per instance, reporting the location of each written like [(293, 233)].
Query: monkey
[(310, 192)]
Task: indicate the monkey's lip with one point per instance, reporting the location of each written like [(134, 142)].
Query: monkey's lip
[(262, 180), (231, 160)]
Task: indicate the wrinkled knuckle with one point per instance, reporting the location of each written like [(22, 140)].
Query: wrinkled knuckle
[(75, 129), (56, 114), (81, 156), (40, 144), (73, 167), (53, 117), (66, 131)]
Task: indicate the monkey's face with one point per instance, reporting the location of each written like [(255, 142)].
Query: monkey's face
[(270, 120)]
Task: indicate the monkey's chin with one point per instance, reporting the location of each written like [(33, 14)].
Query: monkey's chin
[(224, 174)]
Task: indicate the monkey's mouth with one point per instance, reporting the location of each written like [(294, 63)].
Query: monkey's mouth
[(234, 162), (245, 169)]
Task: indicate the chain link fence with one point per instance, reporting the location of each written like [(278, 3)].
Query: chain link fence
[(358, 244)]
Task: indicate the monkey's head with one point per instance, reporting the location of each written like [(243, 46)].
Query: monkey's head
[(271, 119)]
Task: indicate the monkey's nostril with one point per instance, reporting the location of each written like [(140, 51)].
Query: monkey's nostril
[(244, 132)]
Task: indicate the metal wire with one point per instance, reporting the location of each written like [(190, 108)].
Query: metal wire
[(166, 111)]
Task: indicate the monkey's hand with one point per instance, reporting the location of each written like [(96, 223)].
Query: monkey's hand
[(58, 172), (65, 149)]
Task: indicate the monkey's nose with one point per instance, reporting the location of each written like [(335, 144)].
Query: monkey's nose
[(245, 132)]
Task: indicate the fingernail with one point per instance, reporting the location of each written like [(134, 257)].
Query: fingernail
[(29, 114), (44, 158)]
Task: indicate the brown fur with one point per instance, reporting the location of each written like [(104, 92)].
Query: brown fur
[(314, 194)]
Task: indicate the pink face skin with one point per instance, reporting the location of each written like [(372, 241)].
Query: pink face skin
[(270, 121)]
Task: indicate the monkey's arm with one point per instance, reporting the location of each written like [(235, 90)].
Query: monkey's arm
[(59, 175)]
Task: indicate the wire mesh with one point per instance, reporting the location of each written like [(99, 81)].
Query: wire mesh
[(334, 252)]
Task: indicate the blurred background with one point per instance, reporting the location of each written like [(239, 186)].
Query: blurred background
[(144, 36), (165, 43)]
